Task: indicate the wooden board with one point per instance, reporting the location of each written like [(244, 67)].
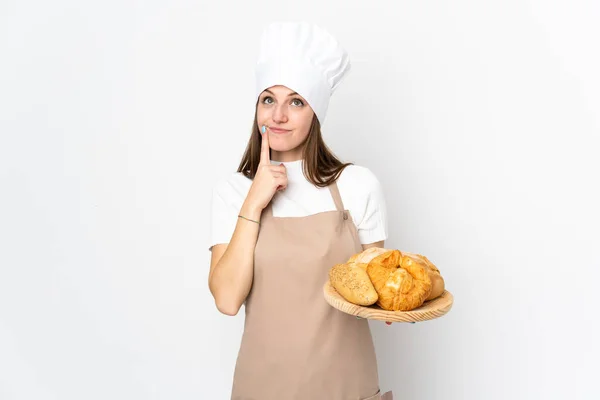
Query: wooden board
[(429, 310)]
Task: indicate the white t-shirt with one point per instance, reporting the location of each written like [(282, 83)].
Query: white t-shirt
[(359, 188)]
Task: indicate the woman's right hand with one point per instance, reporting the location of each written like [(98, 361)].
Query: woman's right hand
[(268, 179)]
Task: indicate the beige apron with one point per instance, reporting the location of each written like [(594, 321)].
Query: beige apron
[(296, 346)]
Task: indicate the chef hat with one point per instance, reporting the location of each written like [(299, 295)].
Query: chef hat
[(303, 57)]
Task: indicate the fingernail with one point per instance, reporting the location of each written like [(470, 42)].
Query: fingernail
[(263, 129), (387, 322), (357, 317), (282, 164)]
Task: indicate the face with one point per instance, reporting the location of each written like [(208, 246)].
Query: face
[(281, 107)]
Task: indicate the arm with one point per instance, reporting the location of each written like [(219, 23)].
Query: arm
[(376, 244), (232, 264), (373, 224)]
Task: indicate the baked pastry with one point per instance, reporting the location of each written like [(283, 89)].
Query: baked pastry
[(401, 282), (399, 277), (437, 280), (353, 284)]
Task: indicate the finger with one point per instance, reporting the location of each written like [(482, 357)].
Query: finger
[(264, 149), (281, 183), (281, 178)]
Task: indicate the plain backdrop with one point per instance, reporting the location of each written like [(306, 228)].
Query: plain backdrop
[(481, 120)]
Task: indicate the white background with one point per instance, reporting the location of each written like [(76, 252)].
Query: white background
[(481, 120)]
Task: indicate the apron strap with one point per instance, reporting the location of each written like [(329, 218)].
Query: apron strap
[(337, 199)]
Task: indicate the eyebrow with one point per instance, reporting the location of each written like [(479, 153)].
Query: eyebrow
[(291, 94)]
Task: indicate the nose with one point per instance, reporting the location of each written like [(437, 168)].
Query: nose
[(280, 114)]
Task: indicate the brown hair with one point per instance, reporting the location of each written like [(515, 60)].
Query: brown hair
[(321, 166)]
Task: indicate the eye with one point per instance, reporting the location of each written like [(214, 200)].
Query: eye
[(266, 98), (301, 103)]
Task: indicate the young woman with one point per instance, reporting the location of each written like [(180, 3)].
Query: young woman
[(290, 212)]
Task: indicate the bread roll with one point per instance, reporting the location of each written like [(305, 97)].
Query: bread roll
[(362, 259), (437, 280), (367, 255), (353, 284), (362, 266)]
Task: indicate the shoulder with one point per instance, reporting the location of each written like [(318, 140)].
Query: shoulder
[(358, 176), (232, 186), (363, 195), (228, 194)]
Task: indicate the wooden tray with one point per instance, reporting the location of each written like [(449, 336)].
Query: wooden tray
[(429, 310)]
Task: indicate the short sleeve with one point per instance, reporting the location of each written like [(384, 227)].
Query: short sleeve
[(223, 216), (373, 227)]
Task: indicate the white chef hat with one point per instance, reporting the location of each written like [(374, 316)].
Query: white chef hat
[(303, 57)]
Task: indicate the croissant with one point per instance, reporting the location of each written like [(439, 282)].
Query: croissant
[(401, 282), (363, 258)]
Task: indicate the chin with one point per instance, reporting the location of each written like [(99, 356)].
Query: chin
[(282, 149), (282, 146)]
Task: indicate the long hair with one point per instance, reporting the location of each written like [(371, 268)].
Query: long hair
[(321, 166)]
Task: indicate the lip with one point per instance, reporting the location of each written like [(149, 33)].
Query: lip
[(277, 130)]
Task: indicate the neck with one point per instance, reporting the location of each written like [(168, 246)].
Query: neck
[(287, 156)]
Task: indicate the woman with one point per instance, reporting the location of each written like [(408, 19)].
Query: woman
[(290, 212)]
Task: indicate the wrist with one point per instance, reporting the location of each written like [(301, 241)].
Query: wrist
[(251, 211)]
